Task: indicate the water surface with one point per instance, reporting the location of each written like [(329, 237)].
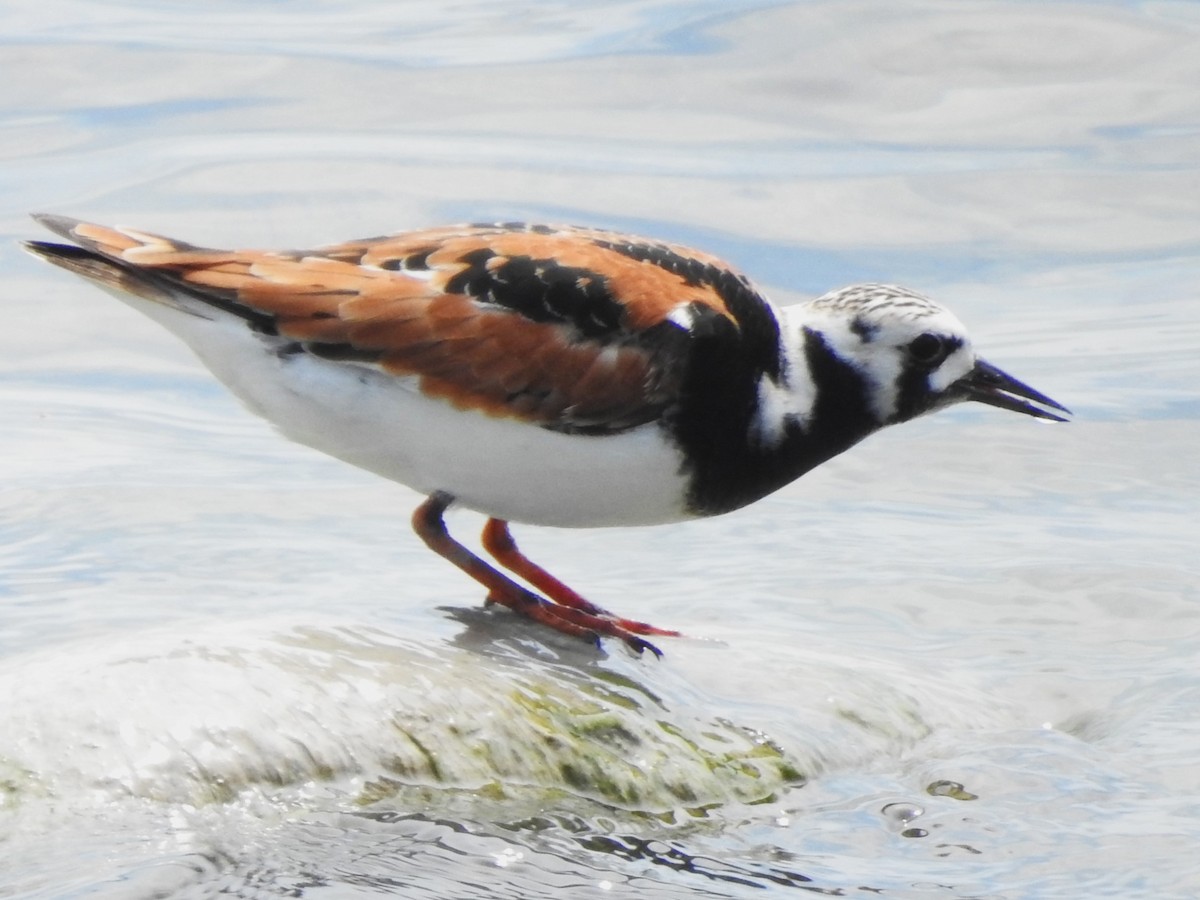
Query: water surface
[(958, 661)]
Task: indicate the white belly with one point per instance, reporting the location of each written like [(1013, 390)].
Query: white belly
[(500, 467)]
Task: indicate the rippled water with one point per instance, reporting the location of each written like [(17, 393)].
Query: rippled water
[(959, 661)]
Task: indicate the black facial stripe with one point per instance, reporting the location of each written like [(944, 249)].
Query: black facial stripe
[(841, 408), (865, 330), (913, 394), (912, 387), (728, 469)]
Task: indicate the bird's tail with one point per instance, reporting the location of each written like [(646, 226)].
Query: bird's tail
[(113, 258), (137, 266)]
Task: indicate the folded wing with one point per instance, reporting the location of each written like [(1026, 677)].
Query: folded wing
[(570, 328)]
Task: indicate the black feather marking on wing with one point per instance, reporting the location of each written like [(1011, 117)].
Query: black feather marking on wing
[(343, 352), (758, 331), (542, 290), (414, 262)]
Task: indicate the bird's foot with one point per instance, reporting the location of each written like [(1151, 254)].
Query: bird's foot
[(563, 603), (589, 624)]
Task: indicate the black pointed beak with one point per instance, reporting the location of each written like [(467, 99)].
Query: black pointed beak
[(989, 385)]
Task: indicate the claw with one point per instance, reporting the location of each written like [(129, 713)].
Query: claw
[(638, 645)]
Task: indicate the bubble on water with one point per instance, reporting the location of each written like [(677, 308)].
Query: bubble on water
[(902, 813)]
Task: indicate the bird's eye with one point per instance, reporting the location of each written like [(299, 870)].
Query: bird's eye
[(928, 349)]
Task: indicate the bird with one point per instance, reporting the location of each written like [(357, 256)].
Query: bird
[(550, 375)]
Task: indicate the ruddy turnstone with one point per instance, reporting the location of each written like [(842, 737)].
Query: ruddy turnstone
[(550, 375)]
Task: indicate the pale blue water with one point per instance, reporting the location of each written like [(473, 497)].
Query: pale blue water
[(972, 639)]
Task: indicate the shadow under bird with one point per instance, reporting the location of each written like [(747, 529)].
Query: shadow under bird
[(549, 375)]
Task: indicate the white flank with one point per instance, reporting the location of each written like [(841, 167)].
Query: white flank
[(505, 468)]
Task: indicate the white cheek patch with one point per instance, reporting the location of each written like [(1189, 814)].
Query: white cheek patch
[(956, 366), (791, 399), (884, 394), (780, 403)]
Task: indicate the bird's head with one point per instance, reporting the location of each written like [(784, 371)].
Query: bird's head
[(913, 355)]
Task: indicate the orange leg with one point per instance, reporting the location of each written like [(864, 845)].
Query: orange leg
[(428, 523), (498, 541)]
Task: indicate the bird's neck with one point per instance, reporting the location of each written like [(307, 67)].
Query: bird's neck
[(750, 429)]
